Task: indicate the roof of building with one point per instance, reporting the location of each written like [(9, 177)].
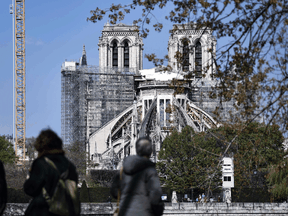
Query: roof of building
[(155, 74)]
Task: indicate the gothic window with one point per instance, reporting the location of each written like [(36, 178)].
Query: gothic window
[(185, 66), (115, 54), (198, 59), (167, 113), (126, 54), (162, 111)]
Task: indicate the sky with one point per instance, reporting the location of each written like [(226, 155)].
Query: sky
[(56, 31)]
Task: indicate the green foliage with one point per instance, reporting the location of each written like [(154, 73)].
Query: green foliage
[(76, 153), (15, 175), (100, 194), (96, 195), (189, 160), (255, 148), (84, 193), (251, 195), (278, 179), (7, 154), (102, 178)]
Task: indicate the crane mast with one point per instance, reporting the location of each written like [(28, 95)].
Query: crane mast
[(20, 82)]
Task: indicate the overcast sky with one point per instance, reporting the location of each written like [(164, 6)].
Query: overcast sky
[(55, 31)]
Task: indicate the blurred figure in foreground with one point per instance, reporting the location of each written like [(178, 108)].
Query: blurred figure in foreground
[(140, 186), (46, 172), (3, 189)]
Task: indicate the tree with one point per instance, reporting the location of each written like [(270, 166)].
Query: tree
[(76, 153), (278, 181), (187, 160), (102, 178), (250, 68), (7, 154), (16, 175), (256, 147)]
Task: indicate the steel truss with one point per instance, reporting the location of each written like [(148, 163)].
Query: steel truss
[(20, 90)]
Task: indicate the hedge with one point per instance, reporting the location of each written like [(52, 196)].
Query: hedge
[(97, 194), (251, 195), (101, 194), (103, 178)]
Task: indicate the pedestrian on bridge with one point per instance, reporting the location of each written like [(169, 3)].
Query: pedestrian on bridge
[(139, 184), (45, 173)]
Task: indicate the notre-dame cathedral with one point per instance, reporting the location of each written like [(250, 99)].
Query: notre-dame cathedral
[(108, 107)]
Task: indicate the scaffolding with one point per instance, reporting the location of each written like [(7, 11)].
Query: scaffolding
[(92, 96), (200, 91)]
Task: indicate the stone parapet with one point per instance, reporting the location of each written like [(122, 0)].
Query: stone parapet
[(178, 209)]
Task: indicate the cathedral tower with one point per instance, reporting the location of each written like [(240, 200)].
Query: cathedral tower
[(194, 45), (120, 46)]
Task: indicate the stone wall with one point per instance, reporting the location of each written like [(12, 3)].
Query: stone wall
[(179, 209)]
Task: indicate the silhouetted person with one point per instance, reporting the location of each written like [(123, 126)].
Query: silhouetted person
[(109, 199), (3, 189), (42, 174), (140, 185)]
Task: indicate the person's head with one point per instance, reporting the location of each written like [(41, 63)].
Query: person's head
[(48, 142), (144, 147)]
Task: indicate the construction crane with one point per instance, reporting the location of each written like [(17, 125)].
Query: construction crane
[(19, 78)]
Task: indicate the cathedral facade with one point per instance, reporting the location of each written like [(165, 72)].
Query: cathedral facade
[(155, 108), (107, 107)]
